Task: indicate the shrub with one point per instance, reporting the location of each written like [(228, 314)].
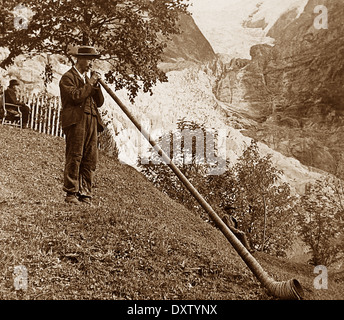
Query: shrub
[(188, 161), (107, 143), (321, 220), (264, 206)]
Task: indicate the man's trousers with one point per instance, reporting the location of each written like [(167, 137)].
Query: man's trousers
[(81, 156)]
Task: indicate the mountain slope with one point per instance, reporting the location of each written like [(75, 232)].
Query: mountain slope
[(188, 46), (233, 26), (189, 95), (294, 88), (134, 243)]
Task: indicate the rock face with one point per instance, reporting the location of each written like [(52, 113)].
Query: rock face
[(294, 89), (189, 45)]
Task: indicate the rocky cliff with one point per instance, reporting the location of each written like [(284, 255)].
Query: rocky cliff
[(188, 46), (292, 91)]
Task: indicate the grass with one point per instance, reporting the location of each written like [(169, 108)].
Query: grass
[(133, 243)]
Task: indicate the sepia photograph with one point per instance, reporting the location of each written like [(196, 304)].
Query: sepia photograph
[(172, 156)]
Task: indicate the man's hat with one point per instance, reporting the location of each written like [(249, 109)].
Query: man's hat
[(229, 208), (14, 82), (86, 52)]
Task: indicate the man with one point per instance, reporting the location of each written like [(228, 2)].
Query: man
[(81, 97), (11, 97)]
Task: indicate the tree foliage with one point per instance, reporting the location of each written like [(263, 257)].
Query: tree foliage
[(130, 34), (264, 205), (321, 220), (187, 158)]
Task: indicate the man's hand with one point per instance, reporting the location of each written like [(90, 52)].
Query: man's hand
[(95, 76)]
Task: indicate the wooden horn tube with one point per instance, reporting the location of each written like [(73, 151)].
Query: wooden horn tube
[(286, 290)]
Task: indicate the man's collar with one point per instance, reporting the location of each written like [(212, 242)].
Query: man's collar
[(82, 76)]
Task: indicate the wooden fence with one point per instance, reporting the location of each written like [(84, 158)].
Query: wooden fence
[(45, 113), (45, 118)]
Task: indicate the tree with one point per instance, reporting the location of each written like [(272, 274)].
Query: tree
[(183, 147), (321, 220), (130, 34), (265, 205)]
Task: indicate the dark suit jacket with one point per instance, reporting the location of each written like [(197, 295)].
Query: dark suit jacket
[(11, 97), (74, 93)]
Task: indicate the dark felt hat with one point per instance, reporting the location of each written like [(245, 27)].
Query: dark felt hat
[(227, 208), (86, 52), (14, 82)]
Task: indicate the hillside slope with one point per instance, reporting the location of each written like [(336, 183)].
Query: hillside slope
[(133, 243)]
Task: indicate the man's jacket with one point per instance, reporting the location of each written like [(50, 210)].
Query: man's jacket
[(75, 94), (11, 97)]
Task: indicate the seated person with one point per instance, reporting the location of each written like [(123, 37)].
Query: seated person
[(11, 97), (232, 224)]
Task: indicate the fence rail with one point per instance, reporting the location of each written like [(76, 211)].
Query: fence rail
[(45, 113), (45, 118)]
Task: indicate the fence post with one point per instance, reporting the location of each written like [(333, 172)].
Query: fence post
[(54, 117), (35, 99), (32, 107), (45, 113), (58, 127), (40, 115)]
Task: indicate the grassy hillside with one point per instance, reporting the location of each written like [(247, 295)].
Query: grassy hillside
[(133, 243)]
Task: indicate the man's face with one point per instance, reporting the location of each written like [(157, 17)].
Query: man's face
[(85, 64)]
